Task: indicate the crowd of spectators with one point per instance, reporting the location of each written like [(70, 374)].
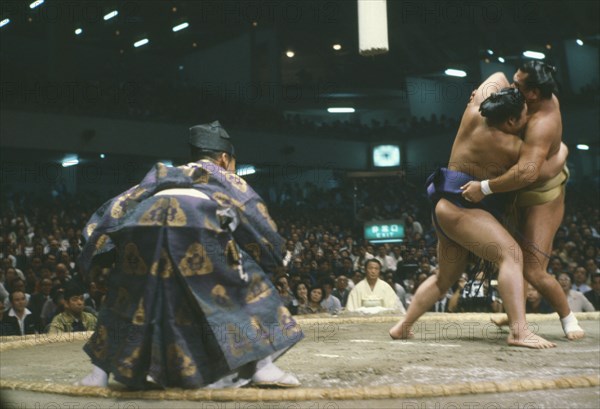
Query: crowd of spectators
[(324, 260), (155, 99), (238, 106)]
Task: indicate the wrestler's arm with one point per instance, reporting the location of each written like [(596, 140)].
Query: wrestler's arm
[(554, 165), (534, 151), (494, 83)]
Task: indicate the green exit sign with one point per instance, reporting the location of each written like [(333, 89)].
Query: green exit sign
[(384, 231)]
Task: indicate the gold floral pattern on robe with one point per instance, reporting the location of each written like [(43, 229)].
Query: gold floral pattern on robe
[(90, 228), (219, 294), (133, 263), (165, 211), (98, 343), (262, 209), (162, 266), (227, 201), (257, 290), (139, 317), (195, 261), (232, 254), (125, 367), (181, 360)]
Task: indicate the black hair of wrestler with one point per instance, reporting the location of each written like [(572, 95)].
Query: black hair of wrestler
[(502, 105), (540, 76)]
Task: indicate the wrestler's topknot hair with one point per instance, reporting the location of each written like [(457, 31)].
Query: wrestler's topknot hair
[(540, 76), (502, 105)]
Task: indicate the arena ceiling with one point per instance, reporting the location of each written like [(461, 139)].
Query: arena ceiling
[(425, 36)]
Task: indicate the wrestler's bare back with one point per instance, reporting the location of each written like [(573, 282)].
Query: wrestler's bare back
[(480, 150)]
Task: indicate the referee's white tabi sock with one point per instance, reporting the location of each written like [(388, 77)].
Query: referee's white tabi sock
[(95, 378), (269, 374)]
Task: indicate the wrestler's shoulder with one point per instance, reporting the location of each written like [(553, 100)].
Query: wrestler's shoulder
[(544, 121)]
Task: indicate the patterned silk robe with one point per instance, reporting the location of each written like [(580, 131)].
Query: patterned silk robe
[(189, 299)]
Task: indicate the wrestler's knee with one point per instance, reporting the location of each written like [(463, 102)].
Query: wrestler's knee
[(508, 253), (538, 277), (443, 281), (515, 252), (534, 260), (447, 213)]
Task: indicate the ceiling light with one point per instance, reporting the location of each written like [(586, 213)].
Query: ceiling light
[(36, 3), (341, 110), (102, 156), (4, 22), (70, 161), (501, 59), (490, 52), (372, 27), (180, 27), (140, 43), (579, 41), (78, 31), (245, 170), (455, 73), (337, 47), (110, 15), (290, 54), (583, 147), (534, 54)]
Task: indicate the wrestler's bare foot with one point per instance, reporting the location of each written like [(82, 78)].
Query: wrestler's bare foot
[(499, 321), (573, 335), (402, 330), (528, 339)]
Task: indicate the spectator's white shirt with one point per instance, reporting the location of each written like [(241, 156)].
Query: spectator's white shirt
[(401, 293), (332, 304), (287, 258), (21, 321), (578, 302), (13, 260), (583, 288), (20, 274), (388, 263), (64, 245), (3, 293)]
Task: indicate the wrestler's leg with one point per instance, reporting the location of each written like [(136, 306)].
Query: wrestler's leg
[(481, 233), (452, 263), (541, 223), (539, 226)]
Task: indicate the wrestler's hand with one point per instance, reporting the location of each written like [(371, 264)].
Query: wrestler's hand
[(472, 191)]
